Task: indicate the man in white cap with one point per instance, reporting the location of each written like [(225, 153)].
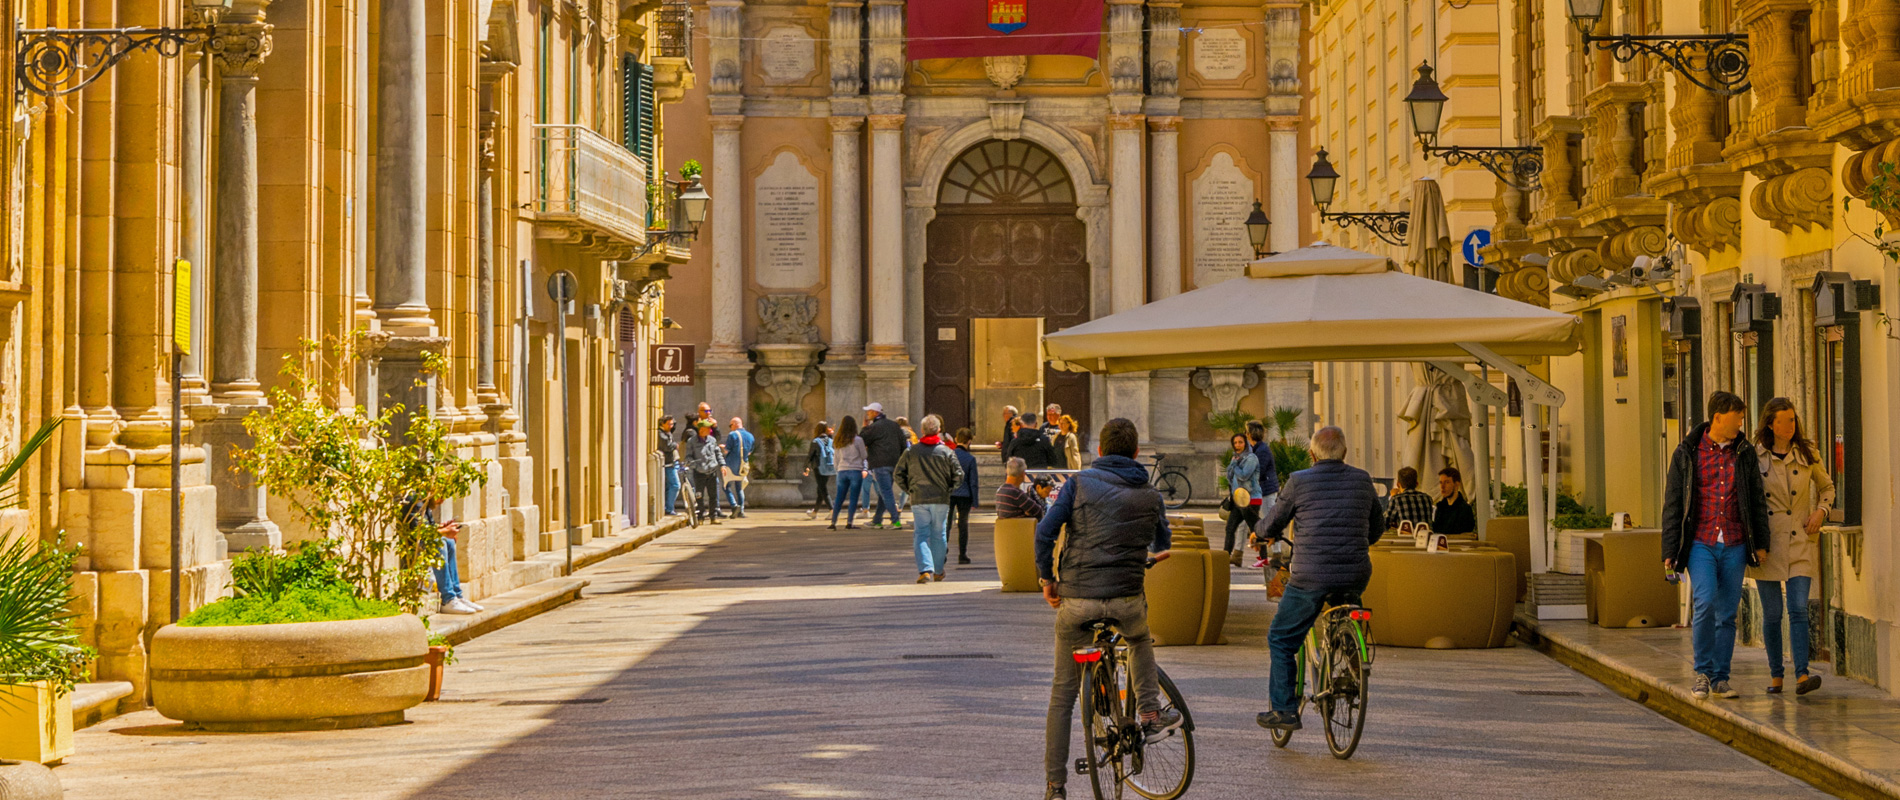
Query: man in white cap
[(884, 443)]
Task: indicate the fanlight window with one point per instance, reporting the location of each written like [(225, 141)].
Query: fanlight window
[(1006, 172)]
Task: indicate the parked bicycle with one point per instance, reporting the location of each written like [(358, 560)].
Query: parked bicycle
[(1171, 481), (1338, 656), (688, 504), (1118, 752)]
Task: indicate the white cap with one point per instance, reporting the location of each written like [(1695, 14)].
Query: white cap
[(878, 407)]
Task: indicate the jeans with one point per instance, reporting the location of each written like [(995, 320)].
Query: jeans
[(885, 501), (447, 578), (960, 513), (672, 487), (1071, 617), (706, 486), (735, 494), (850, 485), (824, 492), (930, 529), (1797, 622), (1299, 608), (1715, 581)]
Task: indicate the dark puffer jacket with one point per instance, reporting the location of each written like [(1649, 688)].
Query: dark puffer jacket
[(1335, 514), (1033, 448), (884, 442), (1115, 520)]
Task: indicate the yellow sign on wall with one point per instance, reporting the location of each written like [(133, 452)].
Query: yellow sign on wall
[(181, 306)]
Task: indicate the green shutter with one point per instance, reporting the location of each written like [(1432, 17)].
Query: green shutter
[(630, 103), (649, 124)]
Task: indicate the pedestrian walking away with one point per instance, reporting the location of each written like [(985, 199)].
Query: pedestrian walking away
[(963, 499), (1243, 492), (1016, 498), (1800, 493), (1269, 478), (1032, 446), (929, 471), (824, 465), (667, 446), (1714, 524), (1335, 510), (705, 457), (1116, 522), (884, 443), (739, 444), (1452, 513), (1408, 504), (848, 448)]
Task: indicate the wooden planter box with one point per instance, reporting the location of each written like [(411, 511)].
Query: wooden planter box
[(35, 725), (291, 676)]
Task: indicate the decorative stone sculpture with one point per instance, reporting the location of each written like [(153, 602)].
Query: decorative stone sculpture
[(787, 352), (1226, 386)]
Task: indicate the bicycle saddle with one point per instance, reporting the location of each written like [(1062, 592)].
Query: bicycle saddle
[(1102, 624)]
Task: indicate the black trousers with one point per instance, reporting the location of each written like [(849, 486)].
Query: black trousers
[(960, 514), (1247, 516), (824, 492), (706, 486)]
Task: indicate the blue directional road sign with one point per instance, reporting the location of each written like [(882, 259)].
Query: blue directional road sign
[(1477, 239)]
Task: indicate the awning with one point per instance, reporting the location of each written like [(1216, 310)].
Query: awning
[(1317, 303)]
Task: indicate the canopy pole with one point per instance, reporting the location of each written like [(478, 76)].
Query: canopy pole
[(1484, 396), (1536, 392)]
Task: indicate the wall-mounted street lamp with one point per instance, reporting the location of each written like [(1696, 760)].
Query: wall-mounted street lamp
[(1717, 62), (58, 61), (1257, 227), (1322, 180), (693, 202), (1521, 167)]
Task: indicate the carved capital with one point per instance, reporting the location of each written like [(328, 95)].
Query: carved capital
[(846, 124), (727, 122), (1164, 124), (240, 46), (887, 122)]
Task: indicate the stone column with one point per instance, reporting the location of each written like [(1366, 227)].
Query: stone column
[(191, 218), (241, 42), (887, 358), (485, 389), (402, 179), (1168, 389), (1128, 285), (844, 382), (1285, 183), (726, 369)]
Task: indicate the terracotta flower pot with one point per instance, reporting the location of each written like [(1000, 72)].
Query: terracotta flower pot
[(438, 654)]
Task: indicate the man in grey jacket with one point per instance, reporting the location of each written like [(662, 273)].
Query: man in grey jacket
[(928, 472), (704, 457), (1335, 510)]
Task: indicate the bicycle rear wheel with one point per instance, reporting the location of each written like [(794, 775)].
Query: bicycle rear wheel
[(1166, 767), (1344, 713), (688, 505), (1098, 730), (1175, 489)]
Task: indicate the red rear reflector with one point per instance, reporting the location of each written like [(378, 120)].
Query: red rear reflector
[(1362, 615), (1088, 656)]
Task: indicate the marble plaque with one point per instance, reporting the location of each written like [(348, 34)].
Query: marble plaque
[(787, 55), (786, 224), (1223, 197), (1220, 54)]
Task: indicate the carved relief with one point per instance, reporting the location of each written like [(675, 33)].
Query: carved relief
[(241, 47), (722, 30), (788, 319), (1800, 199), (845, 59), (1006, 118), (1525, 283), (1861, 168), (1225, 387), (1164, 50), (1715, 225), (1569, 266), (1005, 71)]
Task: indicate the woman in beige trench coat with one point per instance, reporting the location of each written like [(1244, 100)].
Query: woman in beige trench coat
[(1800, 492)]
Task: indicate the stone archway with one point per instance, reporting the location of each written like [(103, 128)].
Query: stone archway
[(1006, 243)]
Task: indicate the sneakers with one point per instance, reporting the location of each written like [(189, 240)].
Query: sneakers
[(923, 577), (1163, 725), (832, 527), (936, 576), (459, 606), (964, 560), (850, 527), (1278, 720), (1723, 690), (1055, 792), (1700, 688), (1258, 563), (1808, 683), (811, 513)]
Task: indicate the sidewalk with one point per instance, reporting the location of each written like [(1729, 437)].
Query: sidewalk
[(1844, 738)]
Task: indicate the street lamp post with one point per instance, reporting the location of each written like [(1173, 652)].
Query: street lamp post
[(693, 203), (1520, 167), (1717, 62), (1257, 227), (1322, 180)]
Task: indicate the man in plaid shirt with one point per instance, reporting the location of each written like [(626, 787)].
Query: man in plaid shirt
[(1408, 503), (1714, 523)]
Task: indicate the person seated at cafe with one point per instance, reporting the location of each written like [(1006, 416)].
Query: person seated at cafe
[(1408, 503), (1452, 514)]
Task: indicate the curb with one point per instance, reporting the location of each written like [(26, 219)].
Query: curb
[(1772, 746)]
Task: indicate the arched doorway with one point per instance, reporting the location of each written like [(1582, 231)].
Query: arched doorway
[(1004, 253)]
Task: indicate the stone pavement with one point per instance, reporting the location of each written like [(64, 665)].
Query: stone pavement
[(1846, 736), (774, 659)]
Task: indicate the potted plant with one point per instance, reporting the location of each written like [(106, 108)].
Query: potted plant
[(40, 655), (326, 637)]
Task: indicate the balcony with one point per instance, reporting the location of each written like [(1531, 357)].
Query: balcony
[(1624, 143), (673, 50), (590, 191)]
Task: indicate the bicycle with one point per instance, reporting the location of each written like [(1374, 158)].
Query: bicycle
[(1338, 652), (1111, 725), (688, 504), (1171, 481)]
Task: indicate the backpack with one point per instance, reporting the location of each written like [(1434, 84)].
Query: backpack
[(827, 458)]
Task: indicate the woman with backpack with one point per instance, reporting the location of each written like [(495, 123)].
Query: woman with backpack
[(823, 461), (851, 461)]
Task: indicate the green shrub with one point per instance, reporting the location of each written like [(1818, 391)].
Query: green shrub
[(1571, 514), (297, 604), (1289, 458), (313, 566)]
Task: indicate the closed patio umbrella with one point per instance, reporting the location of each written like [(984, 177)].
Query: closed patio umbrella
[(1428, 243)]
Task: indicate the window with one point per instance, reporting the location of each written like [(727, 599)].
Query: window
[(1838, 301)]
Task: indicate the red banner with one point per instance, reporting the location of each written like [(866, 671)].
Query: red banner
[(976, 28)]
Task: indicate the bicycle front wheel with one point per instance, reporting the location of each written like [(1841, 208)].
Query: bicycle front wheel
[(1167, 765), (1344, 713), (1175, 489)]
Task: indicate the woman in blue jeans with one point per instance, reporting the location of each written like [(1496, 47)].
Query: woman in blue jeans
[(851, 457), (1800, 492)]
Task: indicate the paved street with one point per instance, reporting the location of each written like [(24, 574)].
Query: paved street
[(775, 659)]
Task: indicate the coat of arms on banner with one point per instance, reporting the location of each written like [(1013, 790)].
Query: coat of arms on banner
[(1008, 16)]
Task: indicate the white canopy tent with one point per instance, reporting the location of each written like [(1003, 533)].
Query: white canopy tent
[(1327, 303)]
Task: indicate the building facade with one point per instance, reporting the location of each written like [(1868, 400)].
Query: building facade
[(1710, 236), (402, 174), (905, 228)]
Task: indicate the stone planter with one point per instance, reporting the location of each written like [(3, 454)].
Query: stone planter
[(291, 676), (25, 780), (36, 725), (1187, 594), (777, 493), (1016, 554)]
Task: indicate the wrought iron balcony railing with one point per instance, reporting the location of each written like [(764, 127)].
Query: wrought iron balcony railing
[(675, 29)]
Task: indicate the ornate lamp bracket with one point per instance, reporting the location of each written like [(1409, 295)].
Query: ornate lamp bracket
[(59, 61), (1717, 62), (1521, 167), (1389, 226)]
